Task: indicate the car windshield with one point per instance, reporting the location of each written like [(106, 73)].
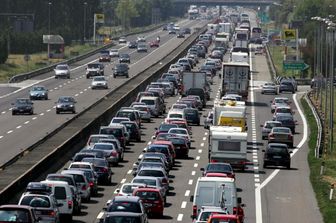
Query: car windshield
[(148, 195), (96, 162), (122, 219), (178, 141), (277, 150), (38, 89), (126, 114), (148, 101), (103, 146), (22, 101), (65, 99), (93, 65), (166, 127), (219, 168), (98, 79), (152, 173), (281, 130), (150, 182), (124, 206), (14, 215), (35, 201), (118, 120), (62, 67), (178, 131)]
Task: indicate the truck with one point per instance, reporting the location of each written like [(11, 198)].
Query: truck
[(228, 145), (193, 80), (222, 39), (241, 37), (239, 57), (193, 12), (236, 76)]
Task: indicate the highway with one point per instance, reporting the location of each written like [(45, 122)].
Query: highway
[(22, 131), (270, 195)]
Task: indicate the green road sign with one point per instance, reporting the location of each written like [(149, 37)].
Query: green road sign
[(294, 65)]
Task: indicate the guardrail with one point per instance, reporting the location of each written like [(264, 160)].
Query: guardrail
[(25, 76), (74, 133)]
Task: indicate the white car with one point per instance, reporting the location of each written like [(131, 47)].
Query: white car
[(122, 40), (141, 39), (114, 53), (62, 71), (269, 88), (99, 82), (180, 132), (128, 188), (207, 211)]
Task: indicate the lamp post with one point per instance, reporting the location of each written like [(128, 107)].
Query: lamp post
[(49, 6), (84, 22)]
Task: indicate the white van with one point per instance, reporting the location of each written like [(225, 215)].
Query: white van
[(63, 195), (152, 103), (217, 192)]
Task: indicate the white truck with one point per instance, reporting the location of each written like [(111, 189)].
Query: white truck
[(193, 80), (222, 39), (236, 76), (241, 37), (228, 145), (239, 57)]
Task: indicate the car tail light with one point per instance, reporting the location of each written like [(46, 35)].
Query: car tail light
[(84, 187), (235, 212), (104, 170), (194, 211), (91, 184), (213, 161), (114, 153), (52, 213), (290, 137), (69, 204), (164, 181)]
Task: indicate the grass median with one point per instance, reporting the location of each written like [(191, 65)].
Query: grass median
[(321, 183)]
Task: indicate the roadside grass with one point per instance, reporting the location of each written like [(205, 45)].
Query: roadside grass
[(321, 184), (277, 53)]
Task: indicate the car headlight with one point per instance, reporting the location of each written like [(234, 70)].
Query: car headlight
[(71, 106)]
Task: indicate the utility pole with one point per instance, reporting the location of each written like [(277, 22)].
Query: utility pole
[(49, 6), (84, 22)]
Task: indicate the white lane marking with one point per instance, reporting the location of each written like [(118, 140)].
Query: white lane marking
[(195, 165), (202, 144), (200, 151), (18, 127), (76, 95), (198, 157), (204, 138), (100, 215), (1, 137), (184, 204), (129, 172), (41, 114), (54, 106), (26, 122), (10, 131), (257, 180), (10, 109), (193, 173), (190, 182), (48, 110), (81, 92), (206, 133), (85, 89), (149, 143), (3, 112), (34, 118), (179, 217), (123, 181), (187, 193)]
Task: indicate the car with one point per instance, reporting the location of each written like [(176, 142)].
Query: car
[(40, 197), (114, 53), (145, 163), (208, 120), (38, 92), (117, 120), (78, 157), (131, 113), (171, 31), (286, 120), (141, 39), (152, 199), (181, 146), (267, 127), (94, 69), (81, 181), (132, 45), (111, 155), (187, 30), (23, 106), (279, 101), (121, 69), (94, 138), (144, 111), (99, 82), (152, 182), (207, 211), (127, 189), (286, 86), (91, 177), (283, 109), (223, 168), (18, 213), (180, 132), (170, 145), (124, 58), (142, 47), (192, 116), (62, 71), (154, 157), (133, 130), (164, 149), (277, 154), (154, 43), (164, 128), (122, 40), (118, 130), (281, 135), (104, 56), (180, 35), (269, 88), (157, 172), (65, 104), (117, 145), (101, 168)]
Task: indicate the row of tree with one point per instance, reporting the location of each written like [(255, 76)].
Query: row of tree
[(288, 11), (70, 18)]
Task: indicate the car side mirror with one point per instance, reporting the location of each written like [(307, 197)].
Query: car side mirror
[(192, 198), (202, 169), (239, 200), (261, 125), (263, 150)]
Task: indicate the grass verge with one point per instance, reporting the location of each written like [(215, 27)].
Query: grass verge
[(321, 184)]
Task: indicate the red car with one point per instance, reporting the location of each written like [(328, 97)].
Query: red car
[(168, 143), (154, 43), (215, 218), (152, 199)]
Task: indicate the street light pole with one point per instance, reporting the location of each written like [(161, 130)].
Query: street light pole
[(84, 22), (49, 5)]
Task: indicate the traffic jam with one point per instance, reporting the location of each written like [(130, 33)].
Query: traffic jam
[(188, 83)]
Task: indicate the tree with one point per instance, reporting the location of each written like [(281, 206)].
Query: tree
[(125, 11), (3, 50)]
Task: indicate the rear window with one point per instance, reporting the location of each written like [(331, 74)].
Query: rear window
[(145, 181), (148, 195), (103, 147), (111, 131), (125, 206), (153, 173), (36, 201), (11, 215), (148, 101), (228, 146), (60, 193), (59, 178)]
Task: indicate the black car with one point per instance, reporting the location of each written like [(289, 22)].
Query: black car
[(23, 106), (132, 45), (286, 120), (120, 69), (180, 35), (277, 154), (224, 168), (102, 168), (286, 85), (124, 58), (104, 56), (192, 116), (187, 31), (65, 104), (133, 130), (94, 69)]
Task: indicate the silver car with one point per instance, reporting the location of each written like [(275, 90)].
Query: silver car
[(267, 127), (111, 154), (281, 135), (62, 70), (269, 88), (99, 82), (144, 111), (279, 101)]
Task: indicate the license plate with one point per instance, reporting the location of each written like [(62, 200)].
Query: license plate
[(148, 205), (177, 147), (277, 157)]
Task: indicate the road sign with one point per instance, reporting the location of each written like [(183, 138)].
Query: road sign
[(294, 65)]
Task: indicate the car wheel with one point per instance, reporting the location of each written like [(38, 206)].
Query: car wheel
[(31, 112), (139, 139), (114, 76), (57, 112), (288, 166), (127, 76), (73, 111), (264, 165), (291, 145), (13, 113)]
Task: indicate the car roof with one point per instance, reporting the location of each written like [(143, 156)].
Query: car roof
[(73, 171), (277, 145), (123, 213), (127, 198)]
